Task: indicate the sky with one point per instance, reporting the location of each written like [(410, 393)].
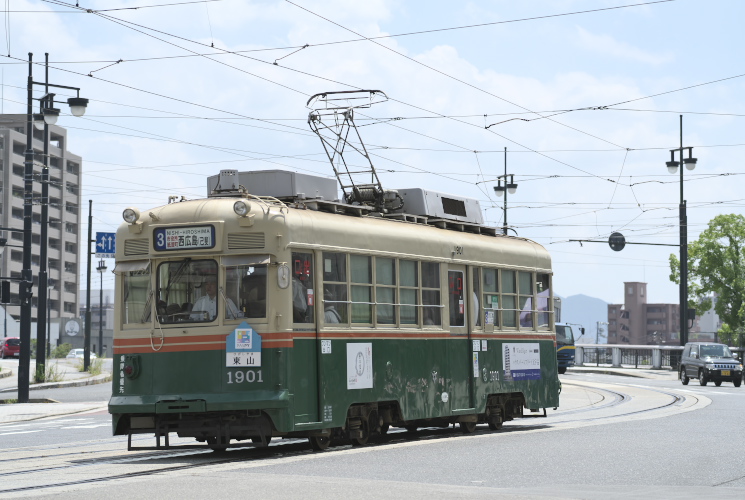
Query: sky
[(586, 95)]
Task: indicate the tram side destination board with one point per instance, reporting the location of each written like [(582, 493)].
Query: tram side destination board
[(183, 238)]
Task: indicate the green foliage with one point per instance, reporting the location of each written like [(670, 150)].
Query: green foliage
[(716, 263), (51, 373), (94, 368), (61, 351)]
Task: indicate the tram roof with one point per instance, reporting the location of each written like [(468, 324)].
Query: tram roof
[(308, 226)]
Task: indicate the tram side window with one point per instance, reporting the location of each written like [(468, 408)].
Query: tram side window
[(303, 296), (187, 291), (385, 291), (431, 304), (544, 301), (509, 299), (360, 267), (246, 291), (335, 303), (456, 298), (490, 298), (138, 296), (525, 298), (408, 277)]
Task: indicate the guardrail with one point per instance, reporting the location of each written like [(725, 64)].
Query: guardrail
[(655, 357)]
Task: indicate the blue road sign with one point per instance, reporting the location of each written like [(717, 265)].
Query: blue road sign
[(105, 245)]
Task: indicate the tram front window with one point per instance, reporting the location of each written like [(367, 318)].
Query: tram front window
[(187, 291), (246, 291)]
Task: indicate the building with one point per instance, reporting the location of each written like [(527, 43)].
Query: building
[(707, 324), (102, 315), (638, 323), (64, 216)]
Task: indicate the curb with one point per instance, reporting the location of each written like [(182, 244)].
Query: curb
[(619, 373), (98, 379), (6, 373)]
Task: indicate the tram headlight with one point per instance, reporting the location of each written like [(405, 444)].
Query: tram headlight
[(241, 208), (130, 215)]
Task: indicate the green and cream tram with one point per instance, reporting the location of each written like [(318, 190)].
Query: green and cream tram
[(279, 314)]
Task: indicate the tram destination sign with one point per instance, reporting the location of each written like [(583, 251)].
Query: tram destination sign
[(183, 238)]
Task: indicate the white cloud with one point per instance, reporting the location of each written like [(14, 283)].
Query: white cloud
[(606, 44)]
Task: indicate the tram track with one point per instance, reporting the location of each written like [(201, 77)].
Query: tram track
[(298, 449)]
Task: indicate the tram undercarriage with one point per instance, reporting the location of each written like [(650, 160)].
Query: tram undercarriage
[(364, 422)]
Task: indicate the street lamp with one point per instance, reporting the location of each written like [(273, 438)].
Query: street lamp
[(49, 114), (672, 167), (509, 187), (101, 269)]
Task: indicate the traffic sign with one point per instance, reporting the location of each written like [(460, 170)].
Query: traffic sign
[(617, 242), (105, 245)]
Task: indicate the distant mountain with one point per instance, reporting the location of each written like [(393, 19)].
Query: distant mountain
[(586, 311)]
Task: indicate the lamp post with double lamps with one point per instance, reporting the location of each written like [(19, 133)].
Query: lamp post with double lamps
[(509, 187), (49, 114), (672, 167)]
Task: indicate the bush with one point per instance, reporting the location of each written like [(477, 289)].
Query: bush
[(61, 351)]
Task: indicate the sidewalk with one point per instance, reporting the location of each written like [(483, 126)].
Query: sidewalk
[(41, 408)]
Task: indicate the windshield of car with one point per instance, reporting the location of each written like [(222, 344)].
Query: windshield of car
[(564, 334), (715, 351)]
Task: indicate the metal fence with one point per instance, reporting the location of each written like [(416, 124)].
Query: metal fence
[(630, 356)]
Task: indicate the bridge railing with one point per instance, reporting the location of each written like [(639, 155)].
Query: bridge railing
[(655, 357)]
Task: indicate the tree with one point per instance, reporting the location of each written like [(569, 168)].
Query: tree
[(716, 263)]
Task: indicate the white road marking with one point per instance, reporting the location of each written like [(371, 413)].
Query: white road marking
[(18, 432), (105, 424)]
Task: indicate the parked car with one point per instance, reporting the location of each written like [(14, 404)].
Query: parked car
[(708, 361), (79, 354), (10, 347)]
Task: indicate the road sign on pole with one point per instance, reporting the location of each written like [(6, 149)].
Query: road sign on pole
[(105, 245)]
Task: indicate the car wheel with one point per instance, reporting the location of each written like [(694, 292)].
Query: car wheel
[(701, 377), (562, 370), (683, 377), (718, 383), (737, 382)]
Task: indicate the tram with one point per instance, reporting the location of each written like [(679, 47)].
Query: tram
[(271, 310)]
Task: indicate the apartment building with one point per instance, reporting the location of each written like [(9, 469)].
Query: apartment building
[(64, 215), (638, 323)]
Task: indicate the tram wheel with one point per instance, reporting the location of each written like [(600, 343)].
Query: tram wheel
[(218, 443), (562, 370), (259, 443), (411, 428), (365, 433), (495, 423), (467, 427), (319, 443)]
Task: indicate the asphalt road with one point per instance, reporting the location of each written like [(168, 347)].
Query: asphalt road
[(685, 449)]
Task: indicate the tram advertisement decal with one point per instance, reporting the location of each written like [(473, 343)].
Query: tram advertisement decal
[(243, 347), (359, 366), (183, 238), (521, 361)]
